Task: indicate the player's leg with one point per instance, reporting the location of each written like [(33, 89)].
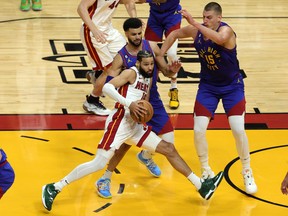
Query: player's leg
[(161, 125), (234, 105), (7, 176), (50, 191), (103, 184), (101, 58), (206, 187), (172, 22), (204, 108)]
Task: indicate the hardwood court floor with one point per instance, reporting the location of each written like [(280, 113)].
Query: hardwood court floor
[(54, 154)]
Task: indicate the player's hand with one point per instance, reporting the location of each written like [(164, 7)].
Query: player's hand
[(137, 109), (187, 16), (174, 67), (100, 36)]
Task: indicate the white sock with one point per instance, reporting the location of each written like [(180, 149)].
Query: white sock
[(146, 154), (196, 181), (61, 184), (173, 85), (107, 175)]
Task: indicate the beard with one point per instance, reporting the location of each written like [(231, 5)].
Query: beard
[(136, 43), (145, 74)]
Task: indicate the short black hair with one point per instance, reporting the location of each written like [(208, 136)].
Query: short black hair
[(213, 6), (132, 22), (144, 54)]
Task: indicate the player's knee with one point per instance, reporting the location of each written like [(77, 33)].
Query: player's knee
[(165, 148)]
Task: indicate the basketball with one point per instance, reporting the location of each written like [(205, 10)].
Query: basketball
[(148, 114)]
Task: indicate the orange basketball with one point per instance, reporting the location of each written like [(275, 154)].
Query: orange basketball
[(148, 114)]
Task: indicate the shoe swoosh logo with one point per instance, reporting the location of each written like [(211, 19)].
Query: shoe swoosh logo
[(49, 192)]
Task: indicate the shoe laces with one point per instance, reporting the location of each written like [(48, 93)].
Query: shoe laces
[(248, 177), (104, 184), (150, 163), (207, 183), (100, 105)]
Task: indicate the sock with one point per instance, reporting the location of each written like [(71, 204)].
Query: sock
[(107, 175), (146, 154), (93, 99), (196, 181), (173, 85), (61, 184)]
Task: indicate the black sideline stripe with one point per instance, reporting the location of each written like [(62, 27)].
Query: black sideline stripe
[(34, 138), (117, 171), (121, 188), (81, 150), (103, 207)]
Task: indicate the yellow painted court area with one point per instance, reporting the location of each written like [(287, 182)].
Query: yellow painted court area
[(53, 155)]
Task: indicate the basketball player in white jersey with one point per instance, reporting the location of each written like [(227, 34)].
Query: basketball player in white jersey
[(101, 42), (120, 127)]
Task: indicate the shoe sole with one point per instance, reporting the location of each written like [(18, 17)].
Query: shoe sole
[(43, 199), (251, 191), (87, 110), (147, 168), (211, 192), (102, 196)]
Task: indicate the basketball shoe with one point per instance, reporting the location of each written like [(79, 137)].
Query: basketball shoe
[(249, 182), (174, 102), (209, 186), (25, 5), (48, 195), (36, 5), (96, 107), (150, 165), (103, 188)]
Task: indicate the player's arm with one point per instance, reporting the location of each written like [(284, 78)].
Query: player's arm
[(185, 32), (84, 14), (116, 66), (109, 89), (224, 37), (126, 76), (166, 69)]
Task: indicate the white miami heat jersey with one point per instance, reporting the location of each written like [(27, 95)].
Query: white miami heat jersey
[(101, 13), (137, 90)]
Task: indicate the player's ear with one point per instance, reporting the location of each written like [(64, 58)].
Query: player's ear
[(137, 64)]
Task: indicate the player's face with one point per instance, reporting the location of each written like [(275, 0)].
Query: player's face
[(134, 36), (146, 67), (211, 19)]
